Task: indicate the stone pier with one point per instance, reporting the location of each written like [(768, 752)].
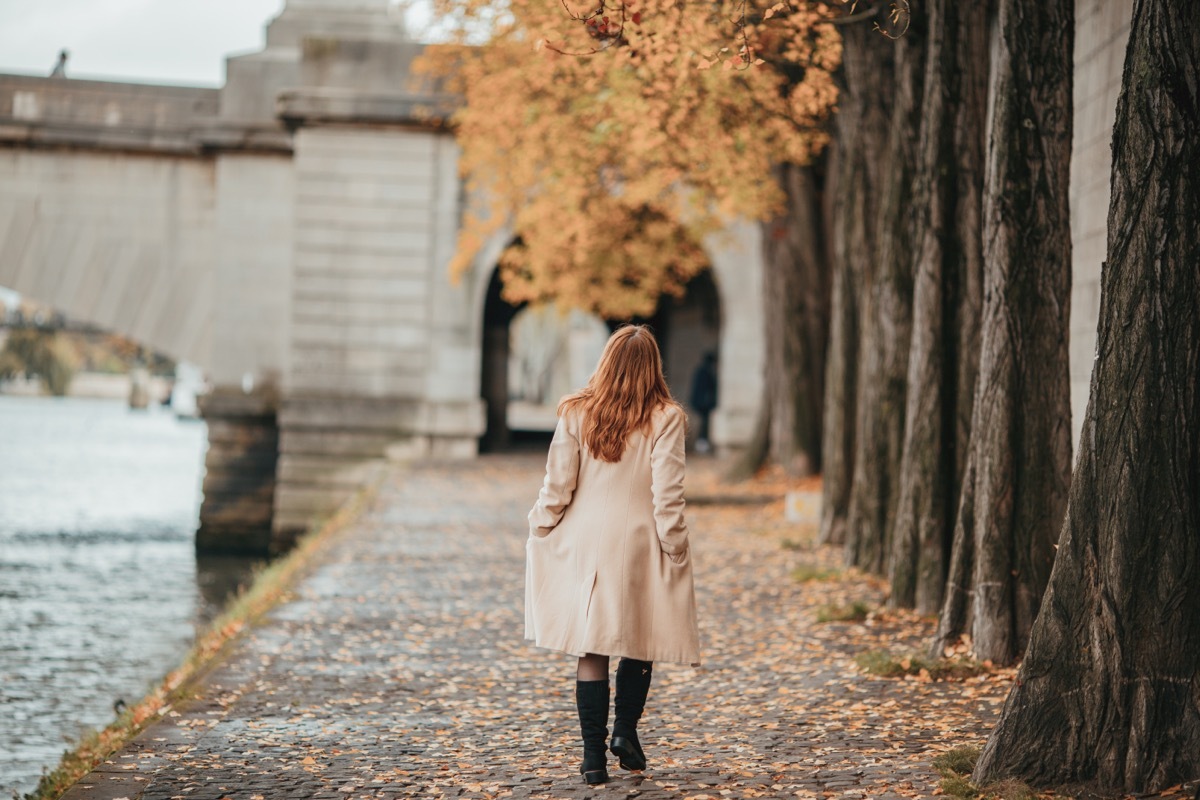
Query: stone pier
[(239, 473)]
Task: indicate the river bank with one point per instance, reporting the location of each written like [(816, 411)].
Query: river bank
[(268, 587), (91, 385)]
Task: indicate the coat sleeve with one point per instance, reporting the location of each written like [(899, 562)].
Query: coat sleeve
[(667, 469), (562, 471)]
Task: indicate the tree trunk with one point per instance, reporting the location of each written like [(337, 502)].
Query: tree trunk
[(796, 280), (887, 321), (1021, 427), (946, 299), (755, 454), (1109, 694), (797, 314), (855, 180)]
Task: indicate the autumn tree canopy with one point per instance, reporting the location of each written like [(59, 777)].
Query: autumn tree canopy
[(608, 141)]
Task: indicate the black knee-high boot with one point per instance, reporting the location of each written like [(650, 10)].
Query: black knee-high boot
[(591, 698), (633, 684)]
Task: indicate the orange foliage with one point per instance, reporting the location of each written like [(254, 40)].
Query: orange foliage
[(608, 169)]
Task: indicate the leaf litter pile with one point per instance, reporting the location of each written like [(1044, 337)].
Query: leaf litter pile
[(397, 668)]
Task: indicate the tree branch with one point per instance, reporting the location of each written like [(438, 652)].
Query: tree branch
[(870, 13)]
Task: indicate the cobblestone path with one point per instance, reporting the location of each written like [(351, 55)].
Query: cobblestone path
[(398, 669)]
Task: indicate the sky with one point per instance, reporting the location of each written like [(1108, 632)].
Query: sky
[(152, 41)]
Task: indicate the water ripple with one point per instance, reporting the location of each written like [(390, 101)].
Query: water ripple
[(100, 590)]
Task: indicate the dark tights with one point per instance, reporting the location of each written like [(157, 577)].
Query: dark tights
[(593, 667)]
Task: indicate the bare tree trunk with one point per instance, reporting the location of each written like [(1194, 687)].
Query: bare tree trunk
[(797, 282), (1108, 696), (1021, 424), (755, 454), (855, 181), (887, 321), (956, 597), (946, 299)]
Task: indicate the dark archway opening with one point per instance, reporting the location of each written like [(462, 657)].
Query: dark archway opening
[(498, 315), (687, 328)]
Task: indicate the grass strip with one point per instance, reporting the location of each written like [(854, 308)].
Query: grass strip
[(804, 573), (889, 665), (855, 612), (270, 586), (955, 766)]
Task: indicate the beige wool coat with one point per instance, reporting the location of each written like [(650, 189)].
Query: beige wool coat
[(608, 563)]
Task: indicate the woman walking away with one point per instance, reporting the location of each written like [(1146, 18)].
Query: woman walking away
[(608, 566)]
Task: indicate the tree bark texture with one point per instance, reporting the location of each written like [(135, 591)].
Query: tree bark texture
[(1108, 696), (887, 323), (855, 182), (1021, 428), (796, 282), (755, 454), (948, 270)]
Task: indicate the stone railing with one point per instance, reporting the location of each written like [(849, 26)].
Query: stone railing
[(61, 112)]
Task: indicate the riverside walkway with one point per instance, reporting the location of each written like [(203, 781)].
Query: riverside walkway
[(397, 668)]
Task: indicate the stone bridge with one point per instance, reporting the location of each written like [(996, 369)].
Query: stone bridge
[(289, 232)]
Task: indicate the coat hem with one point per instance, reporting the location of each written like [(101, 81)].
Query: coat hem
[(618, 652)]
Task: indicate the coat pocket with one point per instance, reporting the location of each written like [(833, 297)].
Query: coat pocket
[(679, 559)]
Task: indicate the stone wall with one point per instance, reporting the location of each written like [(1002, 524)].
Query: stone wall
[(361, 262), (253, 288), (56, 111), (378, 363), (741, 354), (1101, 31), (240, 468)]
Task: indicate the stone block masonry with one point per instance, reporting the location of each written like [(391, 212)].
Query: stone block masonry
[(1101, 32), (239, 478), (362, 340)]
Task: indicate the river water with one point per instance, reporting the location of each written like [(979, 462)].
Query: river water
[(101, 592)]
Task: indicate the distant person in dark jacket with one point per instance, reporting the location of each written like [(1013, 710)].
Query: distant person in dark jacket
[(60, 69), (704, 398)]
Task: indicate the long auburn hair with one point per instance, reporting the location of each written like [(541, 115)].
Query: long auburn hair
[(622, 394)]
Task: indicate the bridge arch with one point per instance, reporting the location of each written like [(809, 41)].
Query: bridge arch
[(119, 241), (728, 295)]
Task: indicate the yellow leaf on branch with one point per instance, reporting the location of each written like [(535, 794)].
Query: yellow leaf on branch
[(599, 144)]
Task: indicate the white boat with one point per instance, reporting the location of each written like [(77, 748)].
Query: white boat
[(189, 385)]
